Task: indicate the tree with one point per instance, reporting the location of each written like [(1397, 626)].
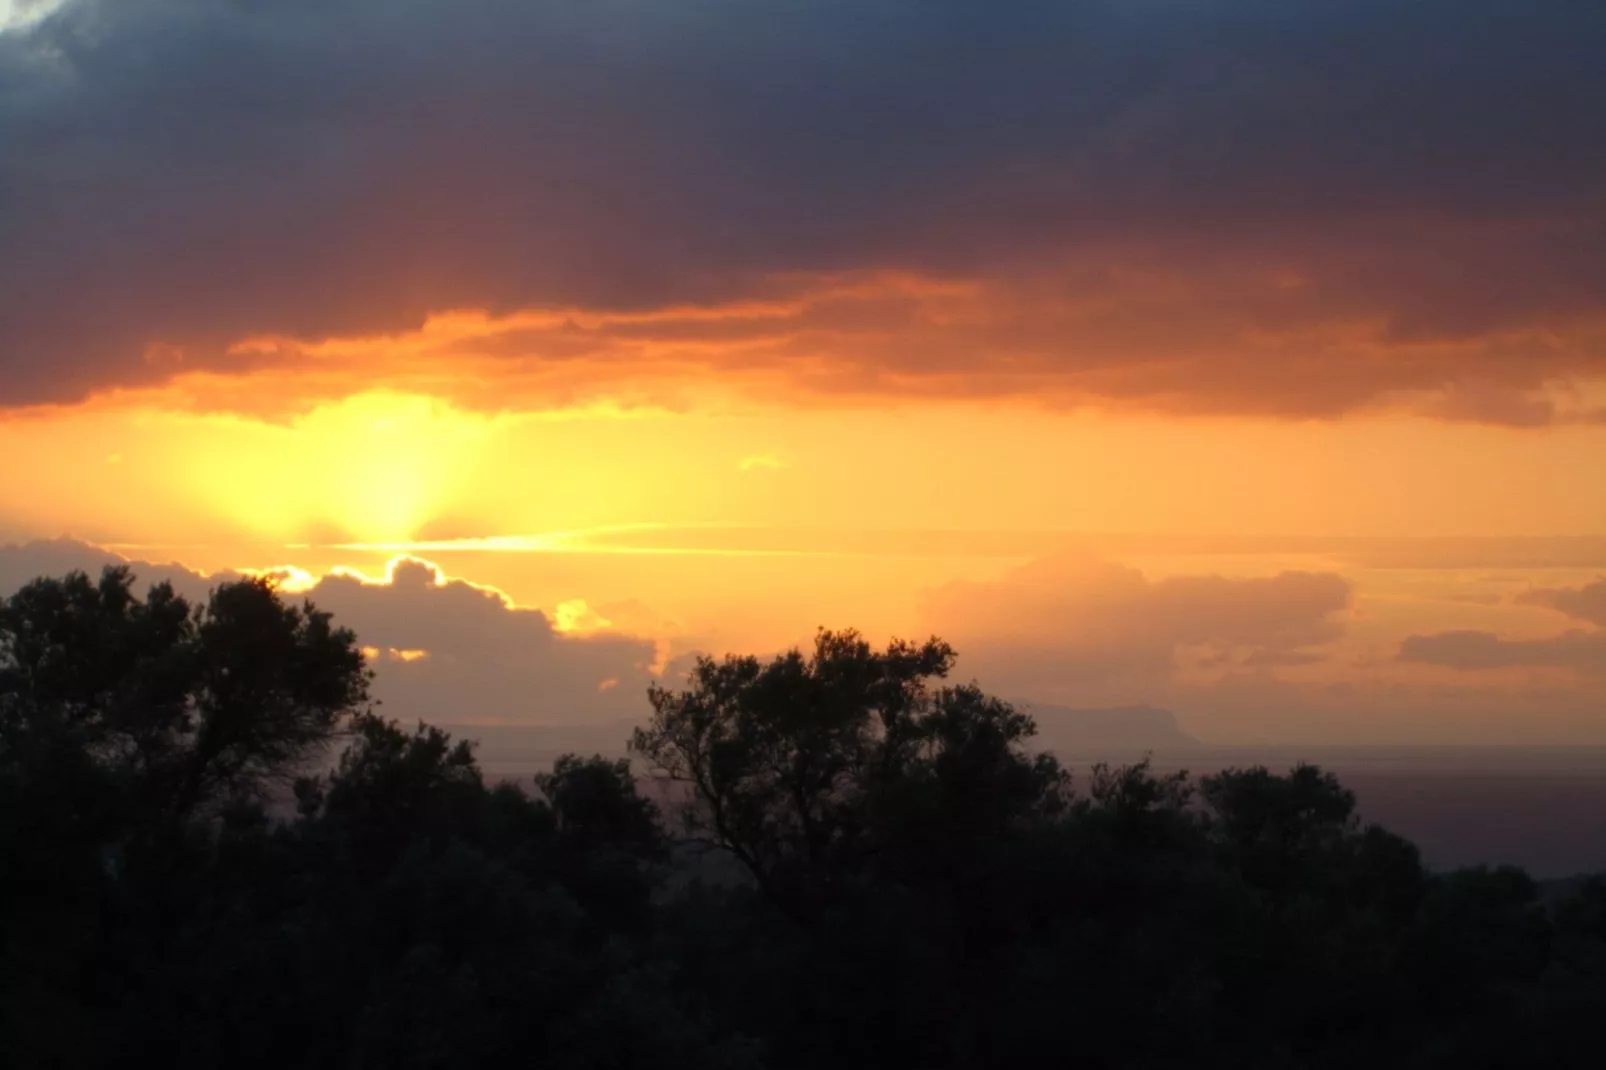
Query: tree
[(412, 916), (597, 806), (813, 769), (183, 707), (920, 890), (1325, 904), (121, 720)]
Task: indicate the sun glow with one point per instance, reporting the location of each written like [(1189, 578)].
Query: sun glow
[(373, 467), (287, 579), (576, 616)]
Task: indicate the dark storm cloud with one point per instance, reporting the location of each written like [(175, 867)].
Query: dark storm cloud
[(178, 174)]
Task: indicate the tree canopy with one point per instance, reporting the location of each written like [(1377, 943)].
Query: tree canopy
[(216, 852)]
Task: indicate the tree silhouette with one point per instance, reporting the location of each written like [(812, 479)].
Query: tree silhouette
[(810, 769), (121, 720), (184, 708), (916, 888)]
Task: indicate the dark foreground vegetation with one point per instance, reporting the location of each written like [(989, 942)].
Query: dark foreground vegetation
[(872, 872)]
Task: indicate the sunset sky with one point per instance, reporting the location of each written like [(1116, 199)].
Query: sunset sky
[(1241, 357)]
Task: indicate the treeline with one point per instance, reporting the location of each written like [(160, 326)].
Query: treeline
[(870, 870)]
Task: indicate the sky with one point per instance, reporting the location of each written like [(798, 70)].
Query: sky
[(1238, 357)]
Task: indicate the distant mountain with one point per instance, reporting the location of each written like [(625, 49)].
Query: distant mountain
[(503, 748), (1093, 734)]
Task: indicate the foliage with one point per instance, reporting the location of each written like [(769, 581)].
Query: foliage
[(845, 764), (912, 886)]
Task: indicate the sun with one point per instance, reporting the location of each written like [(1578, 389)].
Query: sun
[(371, 468)]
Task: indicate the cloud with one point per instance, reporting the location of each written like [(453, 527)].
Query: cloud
[(1472, 651), (1078, 628), (485, 659), (18, 13), (1291, 658), (444, 650), (23, 562), (1585, 603), (1578, 651), (1296, 210), (1472, 709), (1518, 554)]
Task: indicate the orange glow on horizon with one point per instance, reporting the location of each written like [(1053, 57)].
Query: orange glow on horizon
[(744, 528)]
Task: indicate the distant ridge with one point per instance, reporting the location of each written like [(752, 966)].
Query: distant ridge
[(505, 744), (1075, 734)]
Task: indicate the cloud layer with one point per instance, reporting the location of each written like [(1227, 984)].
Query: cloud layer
[(1587, 604), (1079, 626), (1471, 651), (1283, 657), (1577, 651), (1232, 207)]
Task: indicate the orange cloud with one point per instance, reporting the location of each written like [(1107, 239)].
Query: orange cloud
[(1583, 603), (1214, 340), (1470, 651), (1076, 625), (1576, 651), (1242, 647)]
